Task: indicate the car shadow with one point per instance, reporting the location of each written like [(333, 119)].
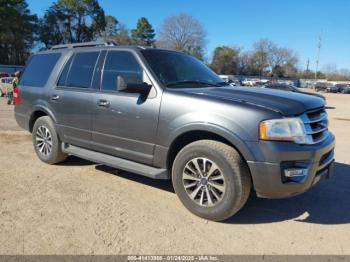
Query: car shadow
[(76, 161), (326, 203), (156, 183)]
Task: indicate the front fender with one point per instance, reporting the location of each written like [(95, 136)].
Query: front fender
[(229, 135)]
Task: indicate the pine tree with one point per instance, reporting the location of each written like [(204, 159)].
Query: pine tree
[(143, 33), (17, 31)]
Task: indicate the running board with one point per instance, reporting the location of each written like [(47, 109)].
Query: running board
[(116, 162)]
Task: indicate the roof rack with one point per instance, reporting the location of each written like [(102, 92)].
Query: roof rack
[(86, 44)]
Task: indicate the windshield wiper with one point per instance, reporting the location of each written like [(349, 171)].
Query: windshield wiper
[(198, 82)]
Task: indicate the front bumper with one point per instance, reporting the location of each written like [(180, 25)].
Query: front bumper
[(268, 175)]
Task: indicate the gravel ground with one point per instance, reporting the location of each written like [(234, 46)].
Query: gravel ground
[(82, 208)]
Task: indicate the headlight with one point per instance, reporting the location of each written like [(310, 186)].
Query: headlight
[(284, 129)]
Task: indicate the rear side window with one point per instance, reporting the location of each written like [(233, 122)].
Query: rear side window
[(64, 74), (39, 69), (119, 63), (82, 69)]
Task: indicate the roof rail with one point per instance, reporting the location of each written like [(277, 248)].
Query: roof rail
[(86, 44)]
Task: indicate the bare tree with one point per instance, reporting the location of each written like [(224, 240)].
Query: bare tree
[(330, 69), (333, 73), (261, 55), (243, 63), (283, 61), (183, 32), (122, 37)]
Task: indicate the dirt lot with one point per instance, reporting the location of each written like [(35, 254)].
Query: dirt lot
[(82, 208)]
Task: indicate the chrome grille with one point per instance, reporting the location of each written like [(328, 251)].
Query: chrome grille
[(316, 125)]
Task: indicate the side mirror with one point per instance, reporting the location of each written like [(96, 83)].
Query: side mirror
[(132, 84)]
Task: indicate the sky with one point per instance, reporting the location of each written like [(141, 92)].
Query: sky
[(294, 24)]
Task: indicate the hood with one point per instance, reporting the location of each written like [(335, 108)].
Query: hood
[(286, 103)]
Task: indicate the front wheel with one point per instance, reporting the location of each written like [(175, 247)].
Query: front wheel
[(47, 144), (211, 179)]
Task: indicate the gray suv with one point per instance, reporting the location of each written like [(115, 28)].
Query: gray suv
[(166, 115)]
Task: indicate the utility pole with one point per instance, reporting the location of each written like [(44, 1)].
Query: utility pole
[(318, 55), (308, 65)]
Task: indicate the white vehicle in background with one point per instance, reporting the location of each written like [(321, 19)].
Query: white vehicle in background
[(225, 78), (286, 82), (254, 81), (230, 80), (249, 82), (5, 85)]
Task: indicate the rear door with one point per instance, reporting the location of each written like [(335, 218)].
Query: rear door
[(72, 98), (124, 124)]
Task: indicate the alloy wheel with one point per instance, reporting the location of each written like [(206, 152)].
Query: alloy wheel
[(43, 140), (204, 182)]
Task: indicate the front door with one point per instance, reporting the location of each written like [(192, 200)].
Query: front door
[(124, 124)]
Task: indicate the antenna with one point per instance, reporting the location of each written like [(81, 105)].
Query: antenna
[(318, 55)]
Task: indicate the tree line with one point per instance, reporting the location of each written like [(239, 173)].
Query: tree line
[(266, 59), (72, 21)]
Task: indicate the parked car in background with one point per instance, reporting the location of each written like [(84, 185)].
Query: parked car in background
[(333, 89), (322, 86), (235, 83), (249, 82), (260, 83), (291, 88), (5, 85), (4, 74), (343, 88)]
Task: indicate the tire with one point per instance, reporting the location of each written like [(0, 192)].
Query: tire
[(46, 142), (231, 168)]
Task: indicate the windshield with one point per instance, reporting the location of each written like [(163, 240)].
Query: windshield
[(175, 70)]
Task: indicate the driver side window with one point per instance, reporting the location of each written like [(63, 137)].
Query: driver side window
[(119, 63)]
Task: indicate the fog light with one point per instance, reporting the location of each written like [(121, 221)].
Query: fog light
[(295, 174)]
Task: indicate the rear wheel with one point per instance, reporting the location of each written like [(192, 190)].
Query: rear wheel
[(47, 144), (211, 179)]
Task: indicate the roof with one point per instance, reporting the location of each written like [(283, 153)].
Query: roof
[(98, 46)]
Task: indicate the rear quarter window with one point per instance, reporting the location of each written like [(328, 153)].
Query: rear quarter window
[(39, 69)]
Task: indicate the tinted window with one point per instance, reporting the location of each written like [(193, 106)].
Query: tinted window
[(82, 69), (39, 69), (119, 63), (64, 74)]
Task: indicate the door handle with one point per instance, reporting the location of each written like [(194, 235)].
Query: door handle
[(55, 97), (103, 103)]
